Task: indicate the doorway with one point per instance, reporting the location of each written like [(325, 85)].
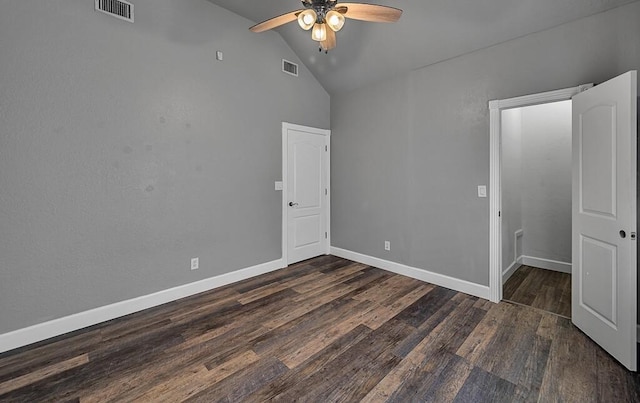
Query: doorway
[(305, 192), (496, 269), (536, 206), (603, 242)]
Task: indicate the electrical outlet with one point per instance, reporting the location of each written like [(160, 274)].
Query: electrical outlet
[(387, 245), (195, 263)]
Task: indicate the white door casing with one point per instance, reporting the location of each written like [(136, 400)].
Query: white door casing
[(604, 295), (305, 192)]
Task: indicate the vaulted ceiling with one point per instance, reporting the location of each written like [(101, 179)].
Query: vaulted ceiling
[(429, 31)]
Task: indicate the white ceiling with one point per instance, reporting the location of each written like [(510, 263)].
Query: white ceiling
[(428, 32)]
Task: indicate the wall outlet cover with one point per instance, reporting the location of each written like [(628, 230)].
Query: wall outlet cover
[(482, 191)]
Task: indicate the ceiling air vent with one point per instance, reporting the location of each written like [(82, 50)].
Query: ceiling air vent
[(289, 67), (117, 8)]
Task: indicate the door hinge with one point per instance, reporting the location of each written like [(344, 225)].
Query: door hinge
[(325, 235), (499, 213), (326, 148), (325, 192)]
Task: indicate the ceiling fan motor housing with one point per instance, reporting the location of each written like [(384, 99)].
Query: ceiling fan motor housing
[(321, 7)]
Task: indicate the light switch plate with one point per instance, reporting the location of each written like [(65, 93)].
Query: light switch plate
[(482, 191), (278, 185)]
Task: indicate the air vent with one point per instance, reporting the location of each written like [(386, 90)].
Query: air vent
[(289, 67), (117, 8)]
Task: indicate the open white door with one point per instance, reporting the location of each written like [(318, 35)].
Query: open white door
[(604, 295), (307, 205)]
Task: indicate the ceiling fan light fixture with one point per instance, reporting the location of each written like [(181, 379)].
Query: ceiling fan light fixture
[(319, 32), (335, 20), (326, 17), (307, 18)]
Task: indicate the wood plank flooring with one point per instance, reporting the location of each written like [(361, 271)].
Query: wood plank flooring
[(539, 288), (323, 330)]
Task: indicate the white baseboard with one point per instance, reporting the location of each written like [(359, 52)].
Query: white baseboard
[(56, 327), (420, 274), (506, 274), (547, 264)]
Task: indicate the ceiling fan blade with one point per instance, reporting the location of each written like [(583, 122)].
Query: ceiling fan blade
[(275, 21), (330, 42), (369, 12)]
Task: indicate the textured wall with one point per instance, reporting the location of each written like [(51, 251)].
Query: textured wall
[(511, 170), (126, 149), (370, 175), (424, 160), (546, 181), (536, 181)]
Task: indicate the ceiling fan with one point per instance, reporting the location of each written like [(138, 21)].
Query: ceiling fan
[(326, 17)]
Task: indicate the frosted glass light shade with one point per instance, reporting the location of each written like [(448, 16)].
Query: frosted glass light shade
[(335, 20), (319, 32), (306, 19)]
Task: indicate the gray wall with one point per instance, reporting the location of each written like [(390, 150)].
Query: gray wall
[(546, 181), (126, 149), (536, 181), (408, 152), (511, 172)]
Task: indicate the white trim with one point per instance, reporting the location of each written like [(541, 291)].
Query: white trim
[(495, 193), (506, 275), (285, 178), (548, 264), (328, 196), (285, 191), (540, 98), (56, 327), (638, 333), (464, 286), (495, 220)]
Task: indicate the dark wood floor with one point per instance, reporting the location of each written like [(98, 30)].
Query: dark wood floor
[(539, 288), (323, 330)]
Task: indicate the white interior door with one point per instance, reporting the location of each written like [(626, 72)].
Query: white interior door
[(604, 295), (307, 194)]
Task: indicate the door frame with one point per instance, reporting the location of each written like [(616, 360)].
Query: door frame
[(285, 182), (495, 176)]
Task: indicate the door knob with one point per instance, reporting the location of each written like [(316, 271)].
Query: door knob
[(623, 234), (292, 204)]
